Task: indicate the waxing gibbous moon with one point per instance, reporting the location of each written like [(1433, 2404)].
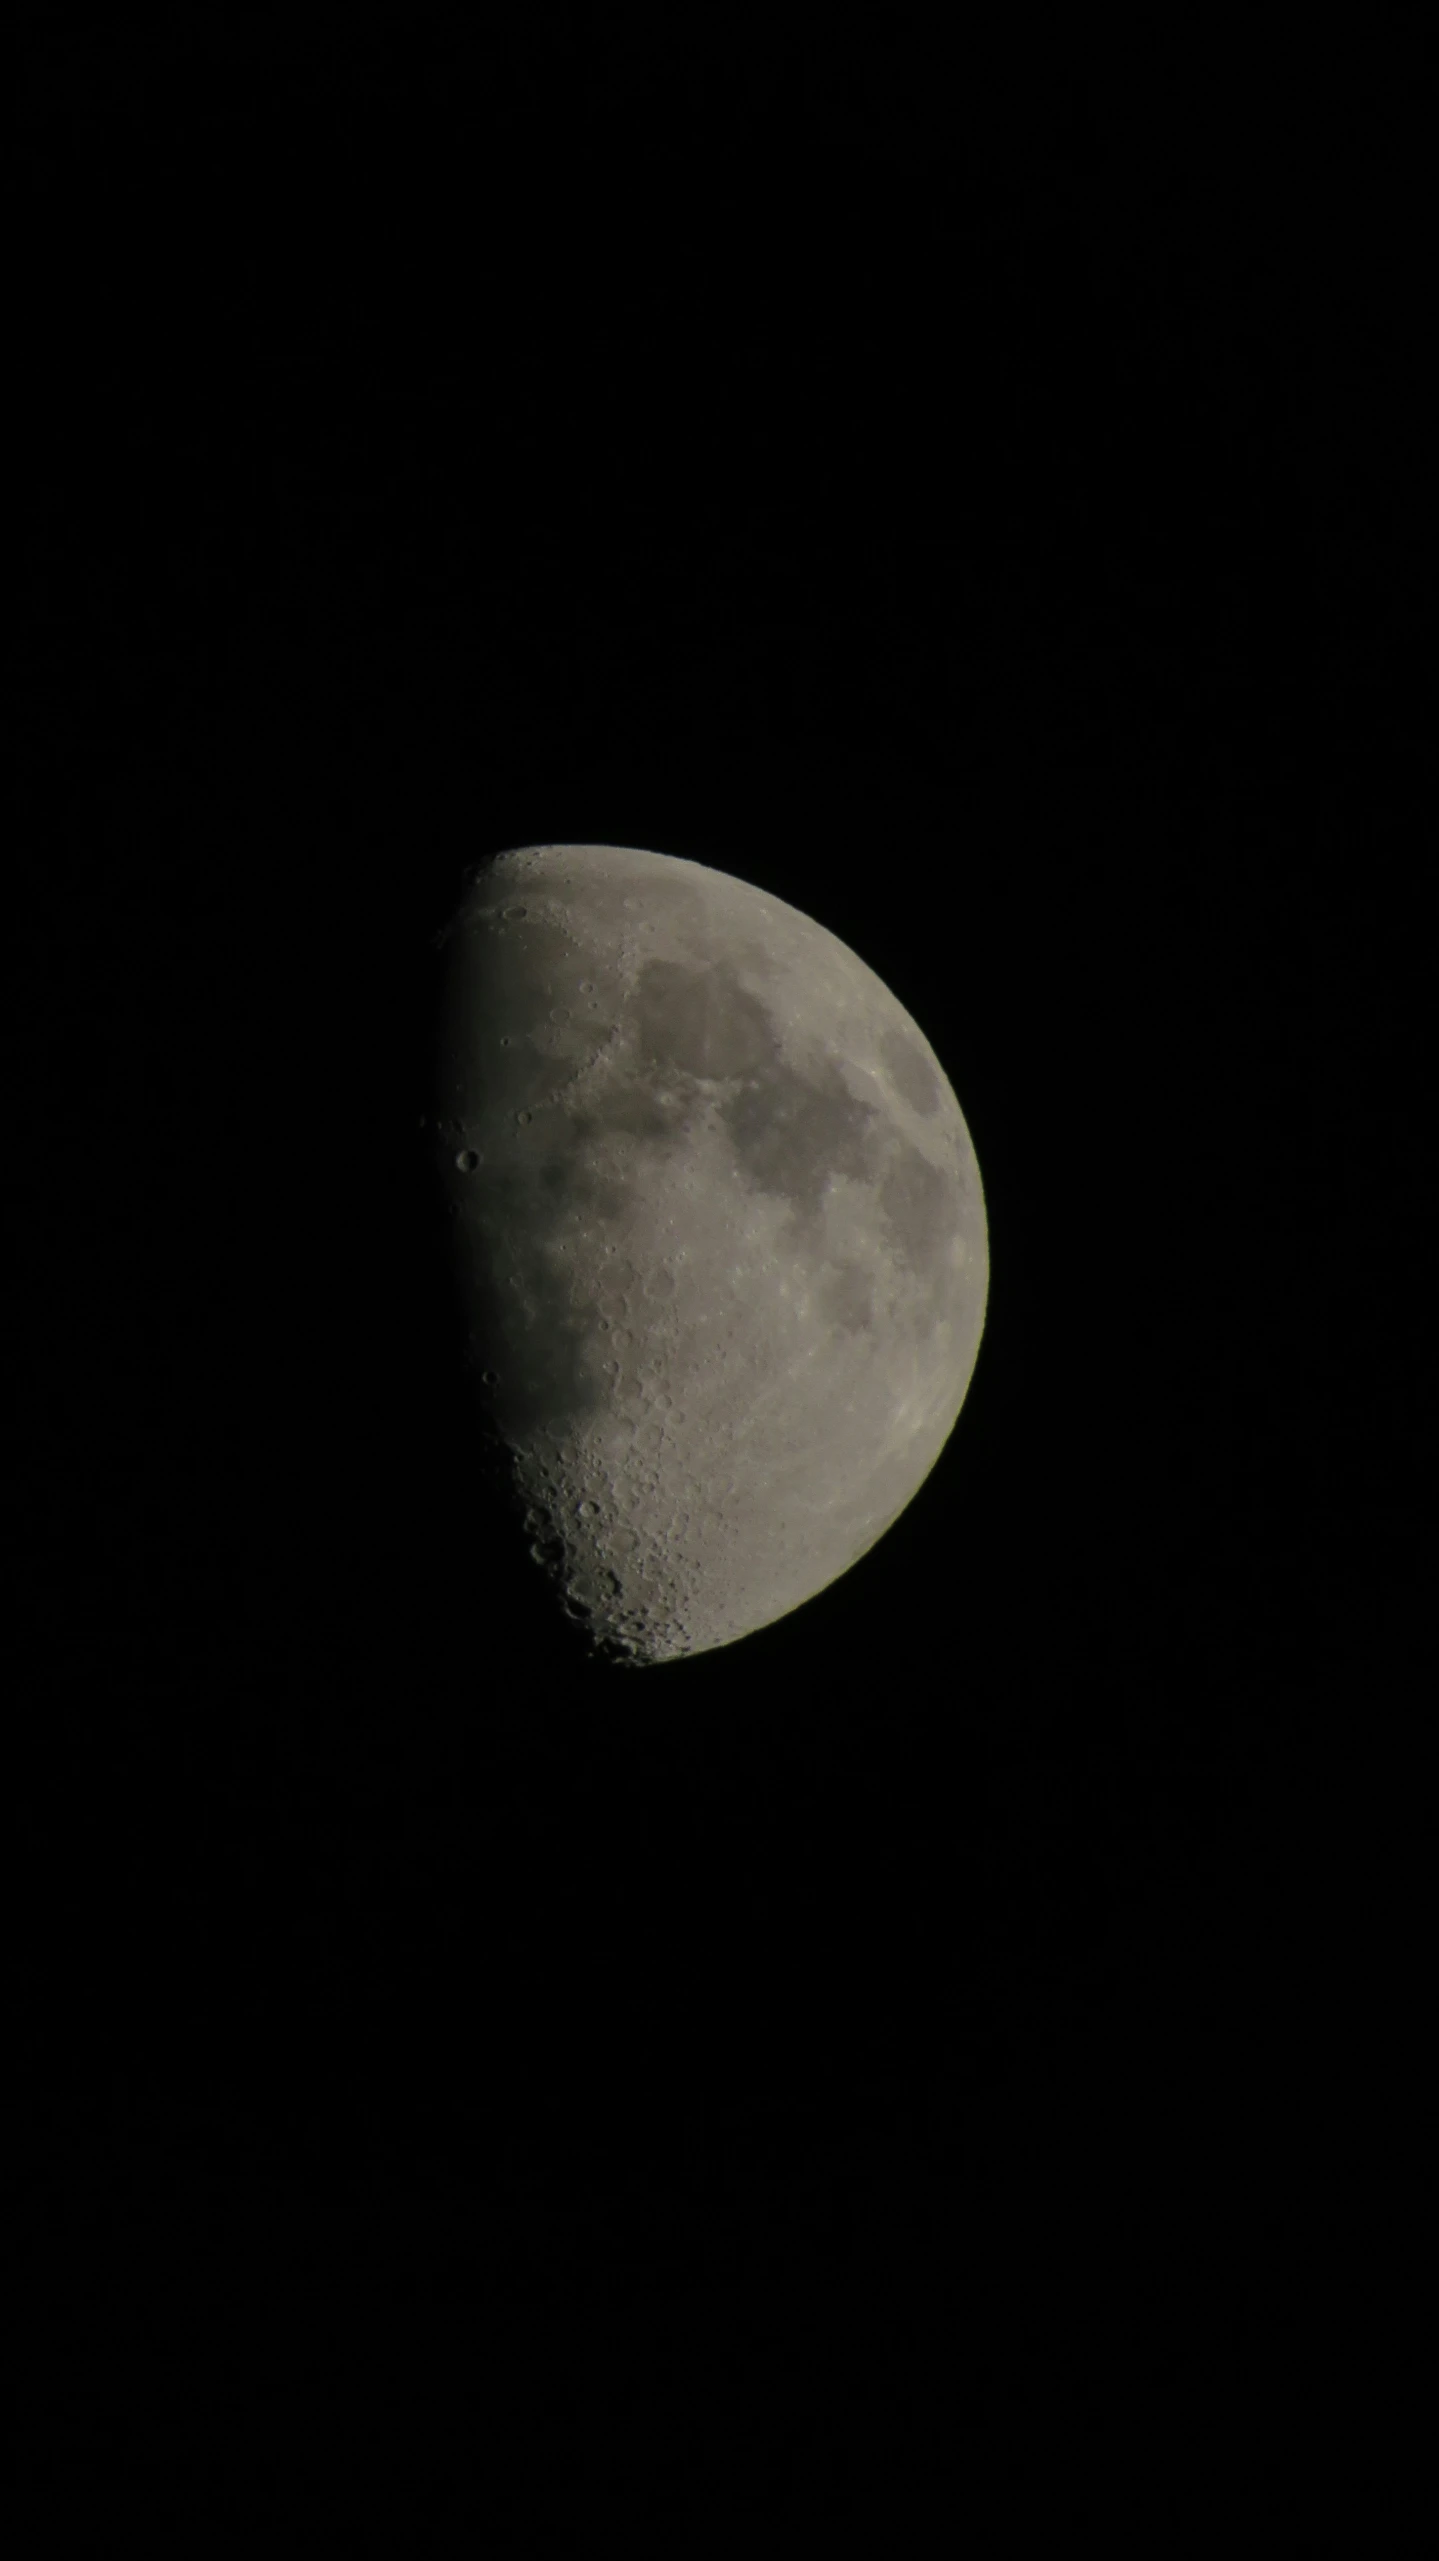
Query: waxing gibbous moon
[(720, 1236)]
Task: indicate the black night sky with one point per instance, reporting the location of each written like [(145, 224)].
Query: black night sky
[(900, 2071)]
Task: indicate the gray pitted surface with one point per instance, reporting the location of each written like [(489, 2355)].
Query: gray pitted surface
[(721, 1230)]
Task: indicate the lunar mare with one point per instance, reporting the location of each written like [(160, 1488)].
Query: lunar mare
[(720, 1236)]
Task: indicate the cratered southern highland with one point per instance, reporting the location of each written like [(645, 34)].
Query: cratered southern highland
[(720, 1235)]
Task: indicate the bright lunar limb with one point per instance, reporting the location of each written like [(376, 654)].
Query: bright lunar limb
[(720, 1233)]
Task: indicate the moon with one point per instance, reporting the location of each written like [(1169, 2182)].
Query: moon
[(719, 1233)]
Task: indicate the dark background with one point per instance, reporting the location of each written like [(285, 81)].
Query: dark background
[(912, 2066)]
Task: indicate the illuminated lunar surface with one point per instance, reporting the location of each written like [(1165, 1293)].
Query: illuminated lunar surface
[(720, 1233)]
